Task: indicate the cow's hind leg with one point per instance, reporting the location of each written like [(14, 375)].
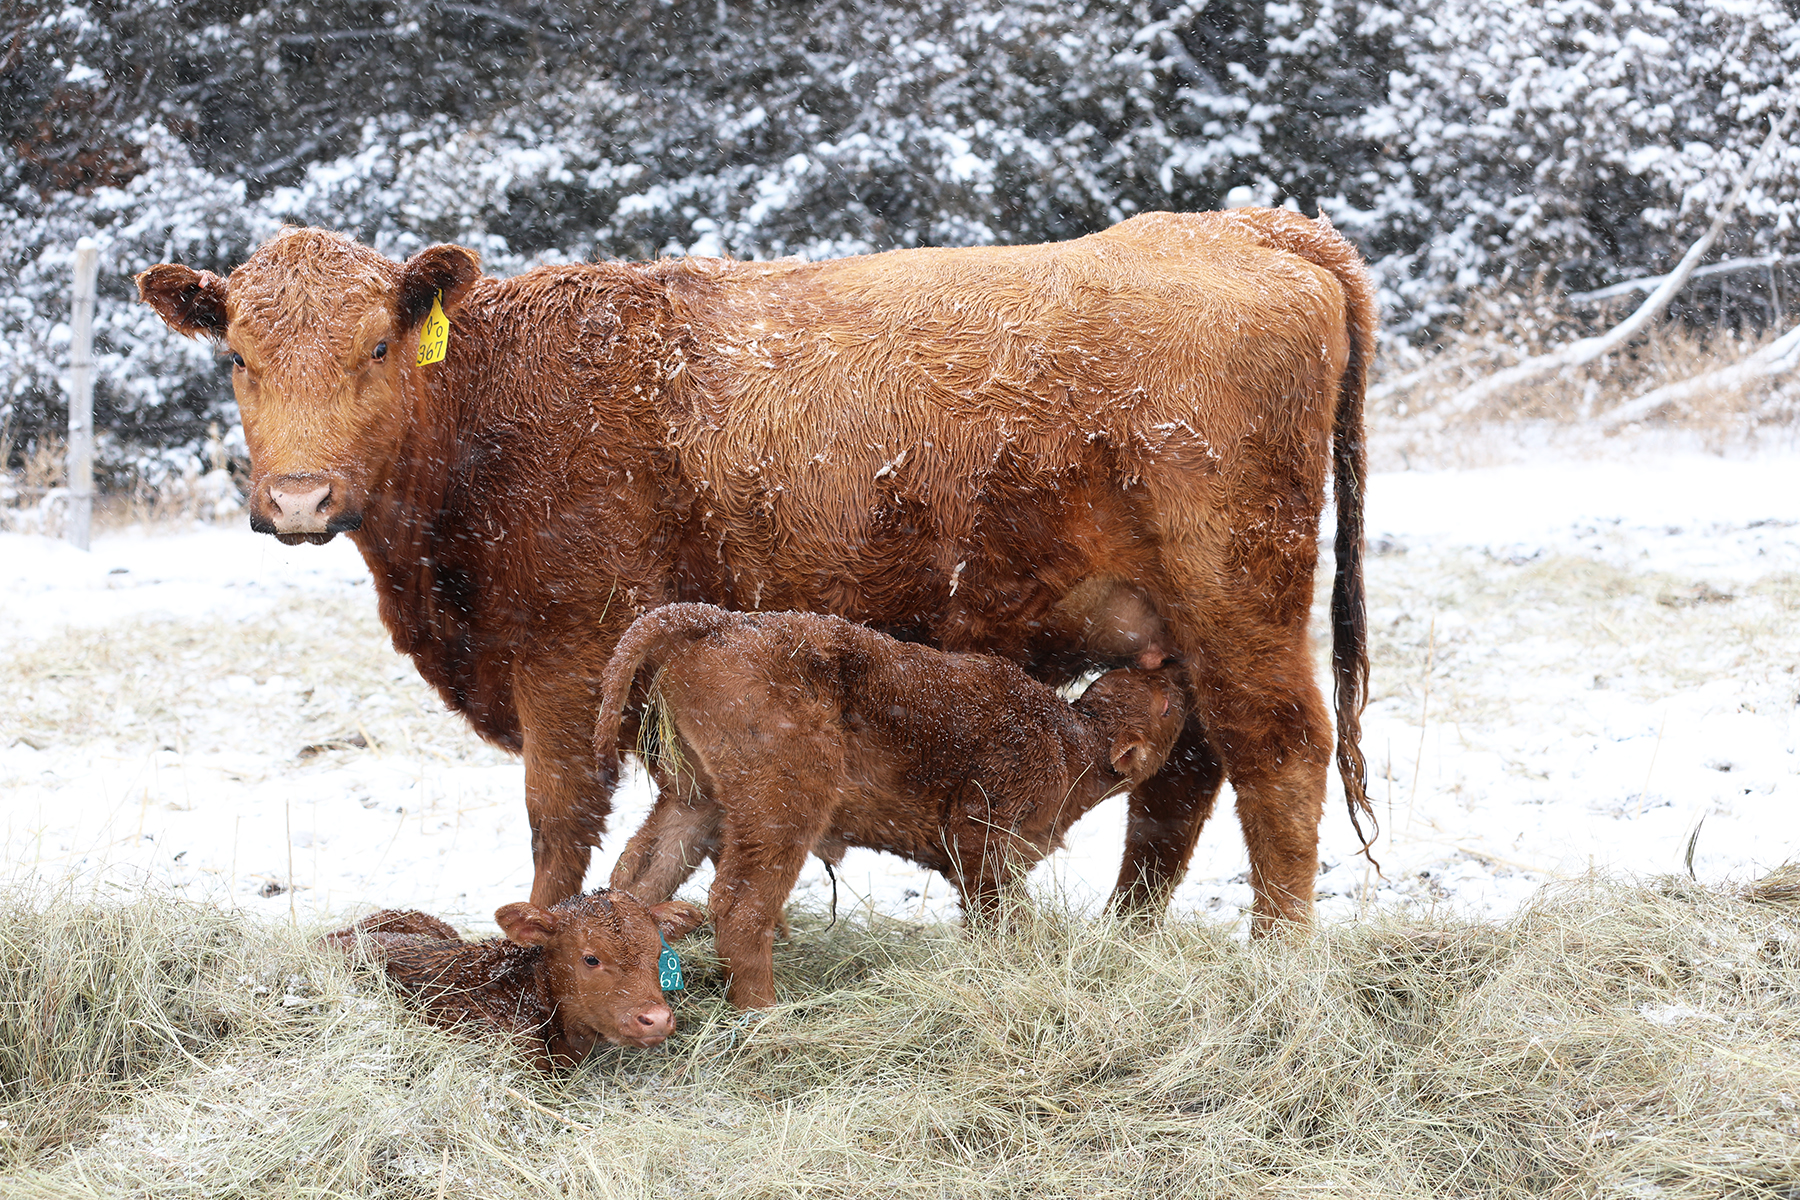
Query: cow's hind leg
[(1241, 586), (1164, 818), (1273, 733)]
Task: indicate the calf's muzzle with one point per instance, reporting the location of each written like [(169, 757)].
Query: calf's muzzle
[(650, 1027), (656, 1021)]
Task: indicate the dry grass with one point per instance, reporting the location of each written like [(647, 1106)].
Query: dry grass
[(32, 500), (1610, 1040), (163, 682), (1409, 425), (1579, 623), (24, 488)]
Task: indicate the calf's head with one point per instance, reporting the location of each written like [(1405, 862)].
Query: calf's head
[(1139, 714), (323, 336), (600, 954)]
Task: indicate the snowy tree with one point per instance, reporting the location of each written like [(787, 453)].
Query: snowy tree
[(1464, 144)]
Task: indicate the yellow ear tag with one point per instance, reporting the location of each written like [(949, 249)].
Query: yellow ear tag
[(434, 338)]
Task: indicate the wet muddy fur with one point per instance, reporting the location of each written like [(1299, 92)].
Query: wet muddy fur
[(560, 981), (787, 734)]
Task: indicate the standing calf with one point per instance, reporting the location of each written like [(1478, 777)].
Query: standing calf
[(776, 735), (562, 978)]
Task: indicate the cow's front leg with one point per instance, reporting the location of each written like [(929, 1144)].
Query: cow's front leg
[(566, 796)]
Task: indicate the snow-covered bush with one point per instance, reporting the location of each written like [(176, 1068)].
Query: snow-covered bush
[(1591, 141), (1464, 144), (151, 387)]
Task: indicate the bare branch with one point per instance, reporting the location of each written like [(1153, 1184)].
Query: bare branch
[(1399, 383), (1776, 358), (22, 19), (1651, 282), (299, 153), (334, 35), (484, 12), (1590, 348)]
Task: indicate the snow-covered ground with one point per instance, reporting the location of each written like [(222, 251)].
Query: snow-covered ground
[(1576, 663)]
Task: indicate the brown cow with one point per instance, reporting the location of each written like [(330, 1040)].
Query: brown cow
[(561, 979), (780, 735), (949, 445)]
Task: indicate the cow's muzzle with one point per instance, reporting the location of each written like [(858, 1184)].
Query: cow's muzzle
[(304, 508)]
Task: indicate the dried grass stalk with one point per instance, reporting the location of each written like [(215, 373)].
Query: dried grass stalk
[(1613, 1039)]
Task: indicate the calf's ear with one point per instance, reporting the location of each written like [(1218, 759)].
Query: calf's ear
[(435, 270), (526, 923), (677, 918), (192, 302), (1129, 756)]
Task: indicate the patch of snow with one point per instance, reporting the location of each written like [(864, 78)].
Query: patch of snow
[(1676, 1014), (1547, 748)]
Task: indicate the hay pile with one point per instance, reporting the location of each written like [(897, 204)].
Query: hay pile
[(1613, 1039)]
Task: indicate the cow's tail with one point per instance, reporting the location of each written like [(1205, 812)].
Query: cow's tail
[(1349, 610), (1319, 243), (1349, 466), (646, 644)]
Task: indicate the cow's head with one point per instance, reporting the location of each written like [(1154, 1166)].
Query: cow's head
[(600, 956), (320, 331)]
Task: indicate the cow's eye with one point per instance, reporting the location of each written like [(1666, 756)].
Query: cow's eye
[(237, 360), (591, 961), (380, 351)]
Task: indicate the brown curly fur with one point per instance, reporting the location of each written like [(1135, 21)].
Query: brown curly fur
[(801, 734), (534, 987), (944, 444)]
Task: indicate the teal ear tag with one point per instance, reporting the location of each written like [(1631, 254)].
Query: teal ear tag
[(668, 968)]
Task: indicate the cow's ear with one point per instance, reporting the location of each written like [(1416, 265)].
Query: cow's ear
[(677, 918), (526, 923), (192, 302), (436, 270)]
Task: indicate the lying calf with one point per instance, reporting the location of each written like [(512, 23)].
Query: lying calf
[(563, 977), (776, 735)]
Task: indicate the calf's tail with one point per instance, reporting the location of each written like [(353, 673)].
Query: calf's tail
[(646, 644)]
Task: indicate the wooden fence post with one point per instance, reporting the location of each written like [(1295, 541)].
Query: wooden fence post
[(80, 463)]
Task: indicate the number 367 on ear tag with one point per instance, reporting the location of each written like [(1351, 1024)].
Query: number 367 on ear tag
[(434, 337)]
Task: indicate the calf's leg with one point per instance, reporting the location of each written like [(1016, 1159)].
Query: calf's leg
[(757, 865), (988, 868), (672, 842), (991, 889)]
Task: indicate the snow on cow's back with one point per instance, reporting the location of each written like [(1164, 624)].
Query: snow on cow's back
[(916, 371), (1150, 321)]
